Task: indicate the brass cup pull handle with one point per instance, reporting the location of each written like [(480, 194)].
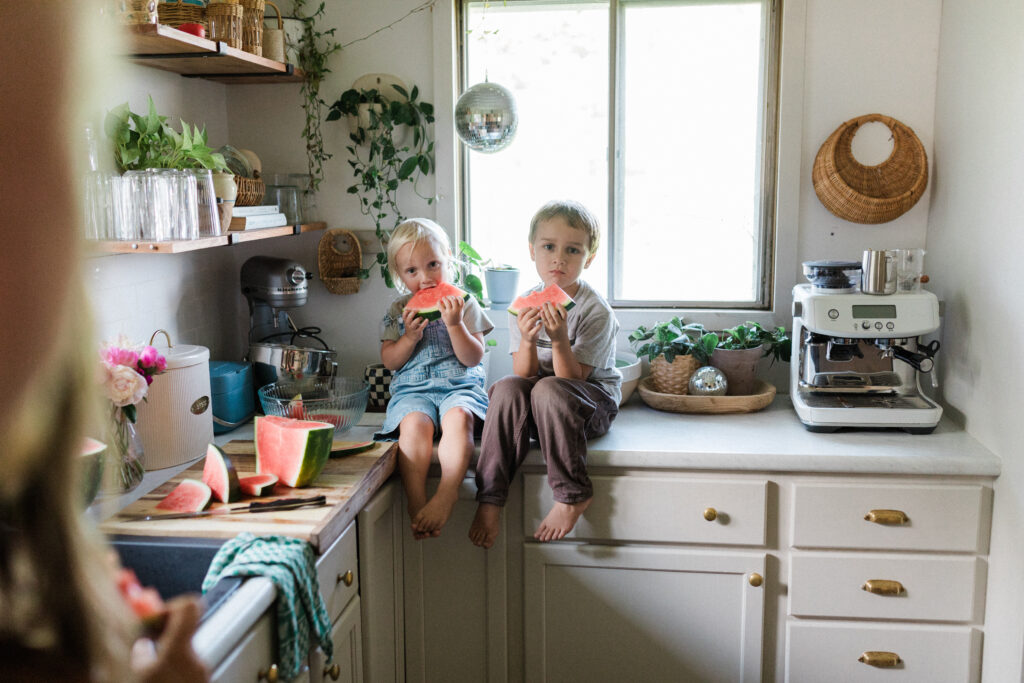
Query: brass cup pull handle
[(333, 671), (347, 578), (268, 675), (883, 660), (883, 587), (887, 517), (710, 514)]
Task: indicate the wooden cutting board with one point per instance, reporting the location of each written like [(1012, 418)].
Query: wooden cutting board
[(348, 483)]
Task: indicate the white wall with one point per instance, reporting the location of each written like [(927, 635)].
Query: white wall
[(975, 241)]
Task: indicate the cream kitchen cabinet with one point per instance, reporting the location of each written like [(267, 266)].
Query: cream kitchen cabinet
[(253, 659)]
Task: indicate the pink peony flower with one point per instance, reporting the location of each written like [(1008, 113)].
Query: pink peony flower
[(123, 385), (115, 355)]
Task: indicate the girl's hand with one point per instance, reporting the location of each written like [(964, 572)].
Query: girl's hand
[(529, 323), (452, 308), (171, 658), (414, 325), (553, 318)]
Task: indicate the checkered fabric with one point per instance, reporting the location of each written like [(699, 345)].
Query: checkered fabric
[(379, 379)]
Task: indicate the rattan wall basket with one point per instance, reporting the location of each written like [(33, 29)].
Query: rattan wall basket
[(340, 258), (870, 194)]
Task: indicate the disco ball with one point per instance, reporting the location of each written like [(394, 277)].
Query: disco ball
[(486, 118), (708, 381)]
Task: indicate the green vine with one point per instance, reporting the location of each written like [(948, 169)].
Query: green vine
[(315, 48)]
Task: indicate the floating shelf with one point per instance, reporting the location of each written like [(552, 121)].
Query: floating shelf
[(169, 49), (180, 246)]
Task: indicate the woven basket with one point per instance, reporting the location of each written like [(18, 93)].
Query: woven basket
[(870, 194), (674, 377), (252, 26), (174, 13), (340, 258), (250, 191), (225, 23)]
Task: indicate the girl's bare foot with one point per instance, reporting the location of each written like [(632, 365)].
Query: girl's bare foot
[(484, 529), (560, 520), (434, 515)]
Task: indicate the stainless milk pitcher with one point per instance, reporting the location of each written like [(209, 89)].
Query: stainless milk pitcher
[(878, 272)]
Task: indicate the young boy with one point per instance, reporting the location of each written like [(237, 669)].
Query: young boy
[(565, 388)]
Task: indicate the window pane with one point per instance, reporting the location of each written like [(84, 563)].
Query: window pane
[(554, 59), (691, 83)]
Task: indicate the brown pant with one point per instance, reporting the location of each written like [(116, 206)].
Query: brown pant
[(561, 413)]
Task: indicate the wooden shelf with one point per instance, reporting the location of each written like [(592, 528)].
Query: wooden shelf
[(180, 246), (169, 49)]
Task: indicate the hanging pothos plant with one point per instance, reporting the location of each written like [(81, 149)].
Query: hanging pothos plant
[(314, 49), (380, 161)]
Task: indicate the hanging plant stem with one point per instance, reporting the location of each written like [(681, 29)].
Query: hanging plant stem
[(315, 47)]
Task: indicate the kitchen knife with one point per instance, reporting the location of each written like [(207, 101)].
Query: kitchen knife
[(283, 504)]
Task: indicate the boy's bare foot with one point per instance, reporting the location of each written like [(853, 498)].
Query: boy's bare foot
[(560, 520), (484, 529), (428, 521)]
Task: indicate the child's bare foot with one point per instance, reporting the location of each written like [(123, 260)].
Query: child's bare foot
[(560, 520), (414, 512), (434, 515), (484, 529)]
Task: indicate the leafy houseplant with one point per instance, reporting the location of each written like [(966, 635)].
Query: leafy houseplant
[(314, 49), (142, 142), (740, 349), (380, 162), (498, 289), (675, 350)]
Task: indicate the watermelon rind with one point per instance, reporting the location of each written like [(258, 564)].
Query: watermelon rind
[(220, 475), (257, 484), (294, 450), (552, 293), (191, 495), (424, 302)]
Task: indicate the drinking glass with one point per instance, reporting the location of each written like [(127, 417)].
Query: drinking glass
[(206, 202), (287, 199), (909, 268)]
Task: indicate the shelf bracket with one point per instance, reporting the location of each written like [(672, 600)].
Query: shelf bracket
[(221, 51), (288, 71)]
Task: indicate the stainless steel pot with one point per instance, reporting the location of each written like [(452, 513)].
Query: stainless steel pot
[(275, 362)]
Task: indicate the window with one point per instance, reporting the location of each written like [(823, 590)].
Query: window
[(657, 115)]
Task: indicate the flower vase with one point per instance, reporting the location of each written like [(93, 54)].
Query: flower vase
[(124, 453)]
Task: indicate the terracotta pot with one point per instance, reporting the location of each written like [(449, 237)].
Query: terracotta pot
[(740, 368), (674, 377)]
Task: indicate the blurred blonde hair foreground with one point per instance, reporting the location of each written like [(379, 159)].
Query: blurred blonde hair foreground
[(413, 231)]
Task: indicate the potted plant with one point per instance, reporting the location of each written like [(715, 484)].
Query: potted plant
[(502, 280), (148, 141), (380, 162), (739, 350), (675, 351), (313, 50)]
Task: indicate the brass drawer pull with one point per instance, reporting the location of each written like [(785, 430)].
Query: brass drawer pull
[(883, 660), (883, 587), (347, 578), (334, 672), (887, 517), (755, 580), (268, 675), (710, 514)]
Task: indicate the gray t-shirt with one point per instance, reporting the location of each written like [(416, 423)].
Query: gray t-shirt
[(392, 327), (592, 329)]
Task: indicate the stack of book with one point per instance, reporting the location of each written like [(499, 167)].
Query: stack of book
[(255, 217)]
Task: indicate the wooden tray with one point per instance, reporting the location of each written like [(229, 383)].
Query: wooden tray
[(763, 395)]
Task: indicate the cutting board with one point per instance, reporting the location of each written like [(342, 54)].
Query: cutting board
[(348, 483)]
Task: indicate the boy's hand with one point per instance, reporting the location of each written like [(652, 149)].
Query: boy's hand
[(553, 317), (529, 323), (414, 325), (451, 310)]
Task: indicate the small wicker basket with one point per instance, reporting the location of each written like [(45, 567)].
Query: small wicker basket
[(250, 191), (674, 377), (340, 258), (174, 13), (252, 26), (139, 12), (225, 23), (870, 194)]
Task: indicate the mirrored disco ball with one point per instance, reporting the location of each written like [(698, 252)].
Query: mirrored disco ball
[(486, 117), (708, 381)]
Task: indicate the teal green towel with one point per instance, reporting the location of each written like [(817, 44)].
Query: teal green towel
[(291, 565)]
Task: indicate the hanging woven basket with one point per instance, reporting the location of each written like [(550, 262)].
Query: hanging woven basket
[(870, 194), (340, 258)]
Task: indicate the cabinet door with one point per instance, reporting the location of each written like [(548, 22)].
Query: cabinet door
[(455, 601), (607, 613), (380, 571), (252, 660)]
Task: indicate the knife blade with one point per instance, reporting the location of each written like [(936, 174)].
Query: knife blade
[(282, 504)]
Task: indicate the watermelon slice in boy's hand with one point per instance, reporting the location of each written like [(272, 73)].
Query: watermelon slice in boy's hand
[(426, 302), (550, 294)]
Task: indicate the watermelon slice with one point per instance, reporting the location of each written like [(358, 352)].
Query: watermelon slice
[(219, 474), (343, 448), (90, 467), (426, 301), (258, 484), (191, 495), (144, 602), (552, 293), (295, 450)]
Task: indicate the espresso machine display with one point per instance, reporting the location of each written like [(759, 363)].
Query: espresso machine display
[(857, 357)]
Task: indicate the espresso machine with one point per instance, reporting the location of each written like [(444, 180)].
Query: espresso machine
[(857, 356)]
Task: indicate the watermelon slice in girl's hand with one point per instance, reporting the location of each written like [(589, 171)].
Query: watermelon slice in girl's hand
[(426, 302), (550, 294), (145, 603)]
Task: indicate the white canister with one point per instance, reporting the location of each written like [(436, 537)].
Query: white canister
[(175, 422)]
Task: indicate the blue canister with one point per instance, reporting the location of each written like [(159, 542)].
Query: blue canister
[(233, 395)]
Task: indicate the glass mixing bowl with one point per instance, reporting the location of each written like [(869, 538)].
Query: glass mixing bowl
[(341, 401)]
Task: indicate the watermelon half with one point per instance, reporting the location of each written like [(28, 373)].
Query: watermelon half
[(294, 450), (90, 468), (258, 484), (191, 495), (220, 475), (426, 301), (552, 293)]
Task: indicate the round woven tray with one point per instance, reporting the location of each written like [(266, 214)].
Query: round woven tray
[(763, 395), (870, 194)]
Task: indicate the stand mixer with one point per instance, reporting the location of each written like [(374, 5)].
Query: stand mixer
[(857, 358)]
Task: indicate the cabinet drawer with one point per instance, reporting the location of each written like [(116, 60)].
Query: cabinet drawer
[(347, 664), (338, 572), (818, 651), (253, 657), (944, 518), (666, 509), (934, 589)]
